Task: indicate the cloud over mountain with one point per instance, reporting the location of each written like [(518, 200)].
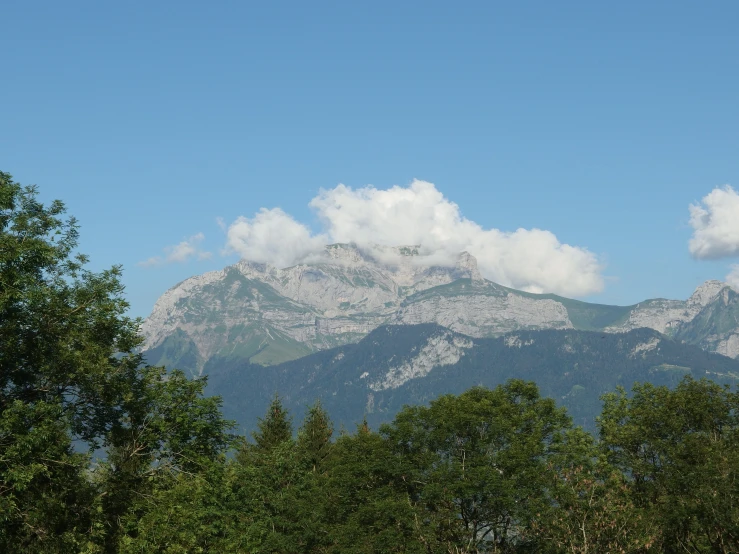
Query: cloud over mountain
[(273, 237), (733, 277), (419, 214), (715, 223), (182, 252)]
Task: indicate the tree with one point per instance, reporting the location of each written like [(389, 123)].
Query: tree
[(274, 429), (64, 344), (62, 327), (314, 436), (590, 507), (45, 500), (477, 463), (680, 451), (70, 374), (168, 430), (274, 486), (366, 507), (190, 512)]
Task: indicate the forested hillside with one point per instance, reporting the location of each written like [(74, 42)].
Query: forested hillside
[(413, 364), (500, 469)]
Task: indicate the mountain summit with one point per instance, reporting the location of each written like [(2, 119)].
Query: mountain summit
[(268, 315)]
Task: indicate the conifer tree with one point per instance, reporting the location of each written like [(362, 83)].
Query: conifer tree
[(314, 436), (274, 429)]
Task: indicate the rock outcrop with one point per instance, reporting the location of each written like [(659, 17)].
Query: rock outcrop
[(268, 315)]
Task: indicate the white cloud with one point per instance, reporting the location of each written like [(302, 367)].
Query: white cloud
[(182, 252), (732, 279), (529, 259), (273, 237), (715, 222)]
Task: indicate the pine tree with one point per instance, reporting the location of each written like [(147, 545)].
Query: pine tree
[(274, 429), (314, 436)]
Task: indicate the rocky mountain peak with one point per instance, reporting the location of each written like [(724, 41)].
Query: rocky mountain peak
[(344, 252), (706, 292), (268, 314), (468, 263)]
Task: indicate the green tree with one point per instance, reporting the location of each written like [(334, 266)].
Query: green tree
[(62, 327), (680, 451), (366, 504), (63, 344), (69, 372), (45, 499), (590, 508), (186, 513), (268, 493), (167, 429), (314, 436), (274, 491), (274, 429), (478, 463)]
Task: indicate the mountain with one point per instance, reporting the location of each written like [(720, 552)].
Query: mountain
[(714, 327), (257, 312), (412, 364)]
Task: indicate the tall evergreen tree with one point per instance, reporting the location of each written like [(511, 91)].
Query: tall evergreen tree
[(271, 486), (314, 436), (274, 429)]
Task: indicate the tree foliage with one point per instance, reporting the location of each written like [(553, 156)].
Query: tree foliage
[(274, 429), (478, 462), (488, 470), (314, 437), (71, 380), (680, 451)]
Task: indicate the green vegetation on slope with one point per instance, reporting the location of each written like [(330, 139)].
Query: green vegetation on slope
[(559, 361), (498, 469)]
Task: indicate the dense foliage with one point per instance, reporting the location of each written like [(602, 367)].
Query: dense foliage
[(102, 453), (574, 367)]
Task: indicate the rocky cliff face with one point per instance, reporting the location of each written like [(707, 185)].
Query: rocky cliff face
[(667, 316), (269, 315), (480, 311), (442, 349), (709, 318), (716, 325)]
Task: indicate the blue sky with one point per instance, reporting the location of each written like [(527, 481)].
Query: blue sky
[(599, 123)]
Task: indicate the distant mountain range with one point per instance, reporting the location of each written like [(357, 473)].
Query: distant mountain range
[(412, 364), (259, 314)]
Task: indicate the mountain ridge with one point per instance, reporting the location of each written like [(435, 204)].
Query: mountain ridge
[(270, 315), (412, 364)]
